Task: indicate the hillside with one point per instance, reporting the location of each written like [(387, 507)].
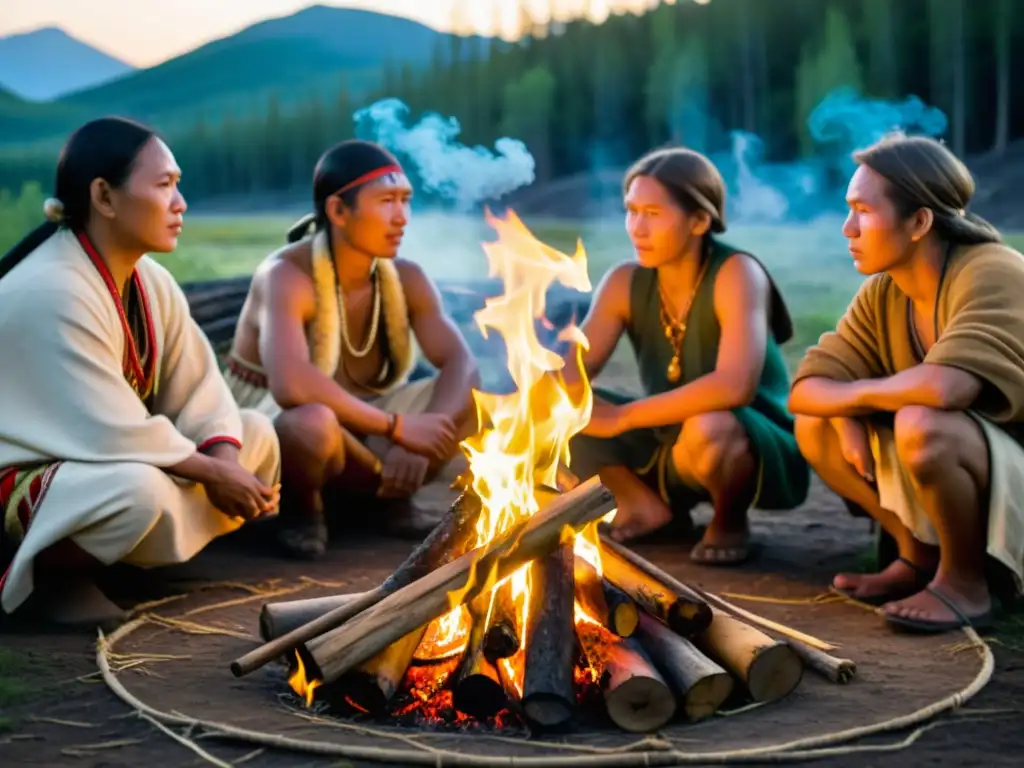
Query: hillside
[(48, 63), (293, 56)]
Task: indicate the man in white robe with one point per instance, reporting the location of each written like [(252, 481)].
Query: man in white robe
[(85, 445)]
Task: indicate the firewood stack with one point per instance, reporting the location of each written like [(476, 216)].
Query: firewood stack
[(650, 647)]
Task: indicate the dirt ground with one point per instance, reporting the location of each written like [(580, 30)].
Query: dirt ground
[(73, 719)]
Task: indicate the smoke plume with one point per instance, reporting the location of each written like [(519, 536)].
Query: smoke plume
[(459, 175)]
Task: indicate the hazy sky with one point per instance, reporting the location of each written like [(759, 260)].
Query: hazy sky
[(145, 32)]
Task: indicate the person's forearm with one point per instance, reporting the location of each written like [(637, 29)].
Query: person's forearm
[(453, 391), (827, 398), (932, 386), (223, 451), (710, 393), (308, 386), (198, 468)]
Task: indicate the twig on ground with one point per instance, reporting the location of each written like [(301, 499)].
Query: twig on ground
[(186, 742), (58, 721)]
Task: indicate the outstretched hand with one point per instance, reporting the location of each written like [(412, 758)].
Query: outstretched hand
[(606, 420)]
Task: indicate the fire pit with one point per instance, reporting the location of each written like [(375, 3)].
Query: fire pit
[(515, 610)]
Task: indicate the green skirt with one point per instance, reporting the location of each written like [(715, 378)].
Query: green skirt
[(783, 474)]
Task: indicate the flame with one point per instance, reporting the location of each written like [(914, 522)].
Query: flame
[(298, 682), (524, 435)]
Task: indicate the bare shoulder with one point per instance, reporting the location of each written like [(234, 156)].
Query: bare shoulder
[(741, 270), (287, 273), (614, 288), (419, 288)]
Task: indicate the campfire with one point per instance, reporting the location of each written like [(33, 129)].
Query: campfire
[(516, 610)]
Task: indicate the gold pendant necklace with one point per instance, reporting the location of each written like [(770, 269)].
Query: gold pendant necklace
[(675, 330)]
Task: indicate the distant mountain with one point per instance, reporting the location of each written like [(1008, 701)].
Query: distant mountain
[(49, 63), (293, 56)]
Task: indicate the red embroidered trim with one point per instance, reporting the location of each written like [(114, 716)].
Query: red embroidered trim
[(143, 378), (370, 177), (219, 439)]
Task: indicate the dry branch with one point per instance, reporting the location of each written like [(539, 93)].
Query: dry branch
[(280, 618), (603, 601), (769, 668), (655, 591), (636, 695), (448, 539), (328, 656), (701, 684)]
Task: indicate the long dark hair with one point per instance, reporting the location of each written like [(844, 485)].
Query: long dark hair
[(923, 173), (339, 166), (691, 179), (101, 149)]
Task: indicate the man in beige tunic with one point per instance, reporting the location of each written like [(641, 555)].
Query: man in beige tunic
[(119, 439), (327, 339), (913, 409)]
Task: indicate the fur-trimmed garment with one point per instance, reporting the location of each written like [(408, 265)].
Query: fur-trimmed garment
[(98, 400), (981, 331), (248, 381)]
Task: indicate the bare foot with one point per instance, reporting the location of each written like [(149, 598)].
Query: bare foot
[(722, 545), (634, 521), (940, 607), (900, 578)]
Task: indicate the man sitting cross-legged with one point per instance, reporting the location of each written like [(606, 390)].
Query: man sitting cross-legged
[(913, 409), (326, 340)]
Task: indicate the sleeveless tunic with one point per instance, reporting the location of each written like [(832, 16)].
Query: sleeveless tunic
[(783, 474)]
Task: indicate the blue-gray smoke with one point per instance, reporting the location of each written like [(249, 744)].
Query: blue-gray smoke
[(760, 192), (441, 166), (843, 122)]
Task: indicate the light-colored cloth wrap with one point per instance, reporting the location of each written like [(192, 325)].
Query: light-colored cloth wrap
[(66, 405)]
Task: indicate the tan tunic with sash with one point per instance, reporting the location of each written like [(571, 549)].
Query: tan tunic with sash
[(980, 330)]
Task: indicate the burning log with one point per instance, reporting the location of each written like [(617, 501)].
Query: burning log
[(328, 656), (655, 591), (548, 697), (635, 694), (502, 637), (769, 668), (447, 541), (701, 684), (479, 690), (604, 601)]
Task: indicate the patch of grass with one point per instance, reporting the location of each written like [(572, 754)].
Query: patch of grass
[(14, 685)]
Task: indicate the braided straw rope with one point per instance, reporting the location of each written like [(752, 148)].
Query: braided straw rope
[(645, 752)]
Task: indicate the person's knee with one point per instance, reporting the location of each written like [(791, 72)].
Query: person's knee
[(261, 449), (713, 442), (813, 435), (311, 431), (145, 486), (926, 440)]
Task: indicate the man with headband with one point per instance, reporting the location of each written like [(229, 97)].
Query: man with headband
[(326, 342)]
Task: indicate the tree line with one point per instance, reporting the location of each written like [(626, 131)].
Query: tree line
[(583, 95)]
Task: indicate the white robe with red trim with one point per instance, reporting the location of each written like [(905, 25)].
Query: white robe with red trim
[(64, 398)]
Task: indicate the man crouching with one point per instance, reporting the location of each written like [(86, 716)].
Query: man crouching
[(326, 342)]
